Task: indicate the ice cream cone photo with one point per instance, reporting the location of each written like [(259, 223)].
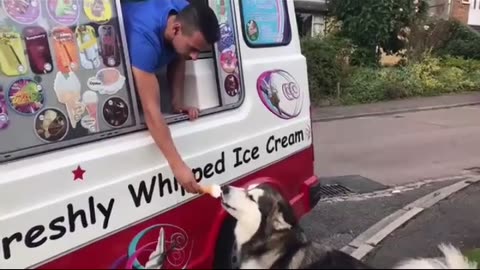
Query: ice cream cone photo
[(67, 87), (90, 99), (49, 117), (51, 125), (75, 110)]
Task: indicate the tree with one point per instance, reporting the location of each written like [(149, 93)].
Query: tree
[(375, 24)]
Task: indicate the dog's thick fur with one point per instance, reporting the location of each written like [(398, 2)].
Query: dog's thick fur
[(268, 236)]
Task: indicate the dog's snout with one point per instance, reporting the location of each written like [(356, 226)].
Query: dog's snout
[(225, 190)]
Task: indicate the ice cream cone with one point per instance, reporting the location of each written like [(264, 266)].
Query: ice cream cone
[(213, 190)]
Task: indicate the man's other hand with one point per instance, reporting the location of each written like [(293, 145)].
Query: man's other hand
[(192, 112)]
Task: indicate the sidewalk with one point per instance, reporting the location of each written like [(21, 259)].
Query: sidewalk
[(396, 106), (454, 220), (338, 221)]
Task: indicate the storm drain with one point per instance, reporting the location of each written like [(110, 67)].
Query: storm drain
[(334, 190)]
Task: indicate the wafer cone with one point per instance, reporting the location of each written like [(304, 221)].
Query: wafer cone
[(212, 190)]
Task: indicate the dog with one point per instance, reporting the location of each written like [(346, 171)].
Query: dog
[(268, 236)]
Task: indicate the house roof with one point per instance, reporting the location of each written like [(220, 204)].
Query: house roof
[(311, 5)]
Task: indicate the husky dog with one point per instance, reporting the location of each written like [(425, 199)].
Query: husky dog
[(268, 236)]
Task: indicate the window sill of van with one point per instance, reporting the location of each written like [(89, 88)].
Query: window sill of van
[(172, 118)]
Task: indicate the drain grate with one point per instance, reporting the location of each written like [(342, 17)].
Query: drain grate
[(333, 190)]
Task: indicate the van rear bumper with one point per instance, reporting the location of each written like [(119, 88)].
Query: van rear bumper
[(314, 193), (308, 197)]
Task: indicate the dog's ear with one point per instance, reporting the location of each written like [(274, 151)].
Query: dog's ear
[(280, 224), (287, 213), (284, 217)]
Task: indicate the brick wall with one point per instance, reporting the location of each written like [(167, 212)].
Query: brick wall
[(460, 11)]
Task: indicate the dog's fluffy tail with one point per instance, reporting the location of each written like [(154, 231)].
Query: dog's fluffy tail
[(452, 259)]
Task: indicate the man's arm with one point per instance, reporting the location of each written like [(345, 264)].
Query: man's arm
[(149, 91), (176, 77)]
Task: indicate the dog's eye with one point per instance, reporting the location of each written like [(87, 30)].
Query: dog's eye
[(251, 197)]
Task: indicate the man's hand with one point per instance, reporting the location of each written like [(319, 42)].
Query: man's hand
[(192, 112), (185, 177)]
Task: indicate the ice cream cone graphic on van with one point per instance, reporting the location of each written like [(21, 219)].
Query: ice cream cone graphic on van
[(109, 45), (4, 121), (90, 121), (65, 49), (22, 11), (99, 11), (13, 61), (64, 12), (38, 50), (160, 246), (68, 88), (88, 46)]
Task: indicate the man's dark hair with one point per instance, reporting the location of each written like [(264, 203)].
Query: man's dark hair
[(198, 16)]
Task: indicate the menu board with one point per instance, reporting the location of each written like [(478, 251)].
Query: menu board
[(64, 77), (265, 22), (227, 54)]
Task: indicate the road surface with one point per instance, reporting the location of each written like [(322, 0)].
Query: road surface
[(397, 149), (451, 221)]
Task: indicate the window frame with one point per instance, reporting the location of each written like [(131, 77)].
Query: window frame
[(138, 124), (269, 45), (211, 54)]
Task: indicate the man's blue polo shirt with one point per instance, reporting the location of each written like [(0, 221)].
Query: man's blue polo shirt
[(145, 23)]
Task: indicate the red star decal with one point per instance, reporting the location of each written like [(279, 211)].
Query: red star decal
[(78, 173)]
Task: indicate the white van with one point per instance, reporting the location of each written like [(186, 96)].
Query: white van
[(82, 183)]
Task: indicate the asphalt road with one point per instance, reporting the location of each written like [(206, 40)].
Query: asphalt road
[(454, 221), (397, 149), (337, 223)]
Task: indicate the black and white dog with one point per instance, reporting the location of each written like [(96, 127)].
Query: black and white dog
[(268, 236)]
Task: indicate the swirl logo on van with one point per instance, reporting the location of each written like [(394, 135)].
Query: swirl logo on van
[(161, 246), (280, 93)]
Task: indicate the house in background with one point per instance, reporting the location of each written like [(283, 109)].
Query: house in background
[(311, 17), (312, 14), (464, 11)]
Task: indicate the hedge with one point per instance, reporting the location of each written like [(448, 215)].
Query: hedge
[(334, 79)]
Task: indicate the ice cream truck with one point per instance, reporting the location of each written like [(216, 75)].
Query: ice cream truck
[(82, 183)]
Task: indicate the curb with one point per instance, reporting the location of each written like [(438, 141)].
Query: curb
[(395, 111), (367, 241)]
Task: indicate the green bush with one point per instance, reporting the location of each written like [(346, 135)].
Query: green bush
[(463, 42), (426, 74), (433, 76), (364, 57), (338, 75), (363, 86), (326, 64), (468, 65)]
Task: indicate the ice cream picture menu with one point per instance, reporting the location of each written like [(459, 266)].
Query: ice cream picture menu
[(64, 76)]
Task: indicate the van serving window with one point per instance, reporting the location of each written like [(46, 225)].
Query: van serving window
[(66, 86), (265, 24), (213, 82)]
